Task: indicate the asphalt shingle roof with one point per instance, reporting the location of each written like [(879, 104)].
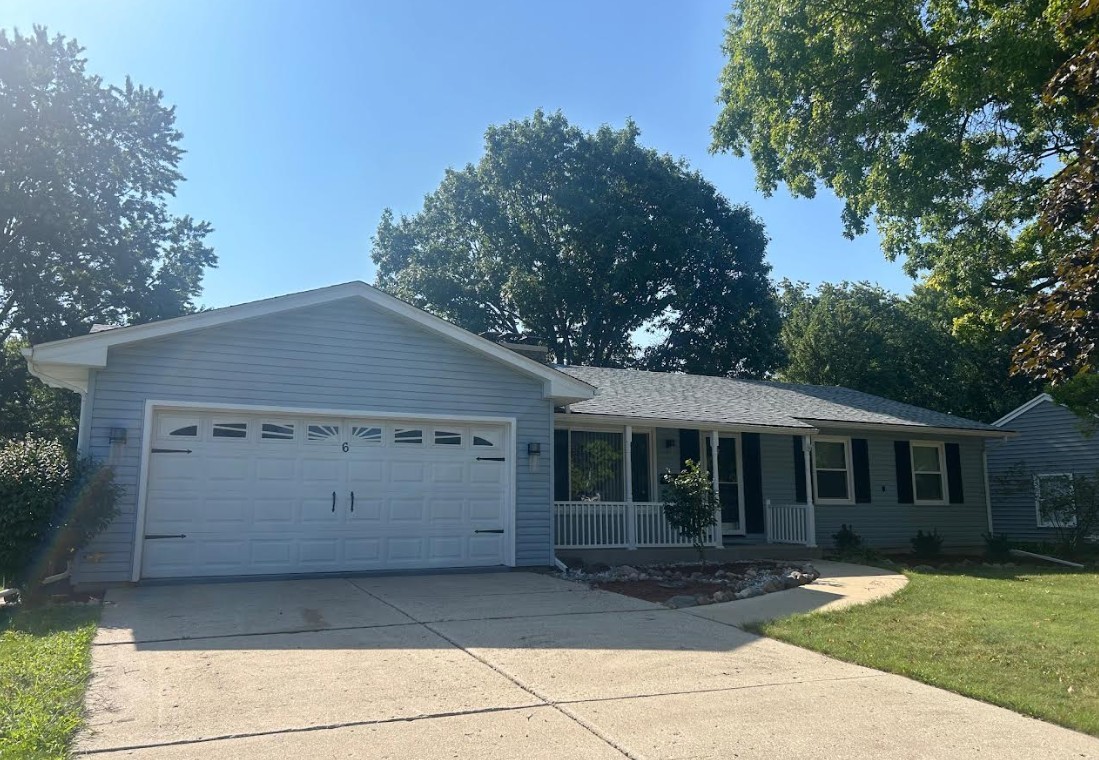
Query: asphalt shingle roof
[(700, 398)]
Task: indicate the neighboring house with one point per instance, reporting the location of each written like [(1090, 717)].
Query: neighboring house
[(1051, 448), (343, 430)]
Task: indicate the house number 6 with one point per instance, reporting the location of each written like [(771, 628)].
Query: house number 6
[(346, 447)]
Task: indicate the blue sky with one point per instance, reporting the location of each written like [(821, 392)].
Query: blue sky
[(303, 120)]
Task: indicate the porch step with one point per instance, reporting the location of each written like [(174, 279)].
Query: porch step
[(652, 556)]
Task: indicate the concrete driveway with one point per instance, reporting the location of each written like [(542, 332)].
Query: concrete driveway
[(498, 665)]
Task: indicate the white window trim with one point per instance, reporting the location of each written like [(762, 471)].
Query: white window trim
[(1038, 498), (846, 441), (942, 472)]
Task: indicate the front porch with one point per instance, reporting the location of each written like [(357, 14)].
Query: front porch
[(608, 483)]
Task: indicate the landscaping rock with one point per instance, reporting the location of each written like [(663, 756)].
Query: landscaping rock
[(681, 601), (772, 584)]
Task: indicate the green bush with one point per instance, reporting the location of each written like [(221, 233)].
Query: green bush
[(846, 540), (997, 547), (51, 505), (927, 545)]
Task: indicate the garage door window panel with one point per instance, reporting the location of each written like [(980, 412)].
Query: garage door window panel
[(486, 438), (444, 437), (408, 436), (178, 427), (229, 429), (369, 434), (277, 431), (322, 432)]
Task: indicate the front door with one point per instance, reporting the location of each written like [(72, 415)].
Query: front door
[(728, 485)]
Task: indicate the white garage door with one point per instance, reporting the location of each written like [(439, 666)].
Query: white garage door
[(246, 494)]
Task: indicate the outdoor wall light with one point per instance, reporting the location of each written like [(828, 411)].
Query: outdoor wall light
[(117, 435), (534, 453)]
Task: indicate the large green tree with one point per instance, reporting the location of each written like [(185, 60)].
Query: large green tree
[(612, 253), (86, 235), (861, 336), (924, 116)]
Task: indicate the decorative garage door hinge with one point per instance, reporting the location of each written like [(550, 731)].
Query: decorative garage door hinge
[(490, 459), (153, 536), (171, 451), (496, 530)]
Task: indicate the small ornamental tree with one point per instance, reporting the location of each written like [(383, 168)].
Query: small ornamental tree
[(691, 505)]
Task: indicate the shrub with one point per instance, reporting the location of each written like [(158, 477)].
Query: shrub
[(846, 540), (997, 547), (51, 505), (691, 506), (927, 545)]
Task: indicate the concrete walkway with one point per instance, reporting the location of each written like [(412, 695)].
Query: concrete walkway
[(840, 585), (498, 666)]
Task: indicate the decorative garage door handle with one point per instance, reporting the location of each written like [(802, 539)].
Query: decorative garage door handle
[(490, 459), (496, 530), (333, 501), (153, 536), (352, 501)]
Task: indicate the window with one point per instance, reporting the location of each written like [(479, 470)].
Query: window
[(1055, 500), (230, 430), (177, 426), (320, 433), (596, 466), (277, 431), (832, 470), (447, 438), (408, 435), (482, 437), (366, 433), (928, 474)]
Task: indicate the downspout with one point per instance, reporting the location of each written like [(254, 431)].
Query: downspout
[(810, 507), (988, 493), (84, 427)]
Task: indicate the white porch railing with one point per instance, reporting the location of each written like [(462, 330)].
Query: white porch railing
[(616, 525), (787, 524)]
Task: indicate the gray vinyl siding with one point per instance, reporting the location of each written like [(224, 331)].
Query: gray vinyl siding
[(343, 355), (884, 523), (1050, 440)]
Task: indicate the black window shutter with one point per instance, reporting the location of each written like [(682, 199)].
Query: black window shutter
[(561, 465), (799, 471), (753, 483), (904, 472), (954, 473), (860, 460), (689, 447)]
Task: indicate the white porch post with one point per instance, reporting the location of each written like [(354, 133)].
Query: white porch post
[(631, 511), (715, 438), (810, 508)]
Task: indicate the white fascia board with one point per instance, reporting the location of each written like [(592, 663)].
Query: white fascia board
[(91, 350), (1023, 409)]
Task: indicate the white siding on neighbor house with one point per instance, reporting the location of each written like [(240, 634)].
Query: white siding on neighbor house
[(1050, 440), (344, 355), (885, 523)]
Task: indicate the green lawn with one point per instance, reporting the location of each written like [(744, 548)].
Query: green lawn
[(44, 667), (1028, 641)]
